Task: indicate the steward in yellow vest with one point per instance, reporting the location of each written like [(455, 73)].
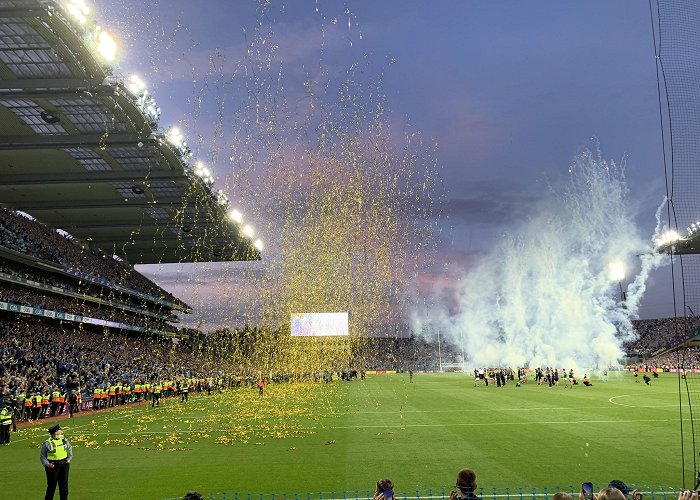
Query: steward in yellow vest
[(7, 419), (56, 455)]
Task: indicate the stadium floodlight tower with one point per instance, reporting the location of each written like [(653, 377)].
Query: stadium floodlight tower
[(617, 272)]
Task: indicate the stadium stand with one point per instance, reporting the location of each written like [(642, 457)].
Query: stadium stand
[(83, 151), (656, 335), (33, 239)]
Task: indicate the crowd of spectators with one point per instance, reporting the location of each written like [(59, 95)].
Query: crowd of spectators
[(33, 297), (661, 333), (25, 235), (685, 358), (404, 353), (39, 355), (83, 288)]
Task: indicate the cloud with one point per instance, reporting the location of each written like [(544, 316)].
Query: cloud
[(488, 207), (200, 274)]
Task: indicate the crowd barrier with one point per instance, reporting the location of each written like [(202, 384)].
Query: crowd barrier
[(440, 493)]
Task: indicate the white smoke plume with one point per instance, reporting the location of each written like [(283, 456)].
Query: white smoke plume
[(545, 296)]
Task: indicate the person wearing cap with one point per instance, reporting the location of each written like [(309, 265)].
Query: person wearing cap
[(56, 455), (7, 419)]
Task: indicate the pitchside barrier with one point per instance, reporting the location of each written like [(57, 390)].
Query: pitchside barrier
[(441, 493)]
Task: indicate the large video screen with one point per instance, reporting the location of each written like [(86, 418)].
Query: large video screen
[(320, 324)]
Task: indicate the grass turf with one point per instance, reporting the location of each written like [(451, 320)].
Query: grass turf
[(345, 436)]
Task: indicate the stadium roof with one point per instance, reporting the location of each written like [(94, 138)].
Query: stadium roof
[(687, 243), (81, 150), (684, 246)]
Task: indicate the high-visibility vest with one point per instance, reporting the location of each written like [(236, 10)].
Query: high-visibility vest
[(157, 389), (45, 399), (21, 398), (5, 416), (57, 449), (28, 402), (112, 390), (54, 396), (37, 400)]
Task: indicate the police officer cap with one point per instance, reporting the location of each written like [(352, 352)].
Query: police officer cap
[(54, 428)]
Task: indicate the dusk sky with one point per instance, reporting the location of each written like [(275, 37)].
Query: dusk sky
[(511, 91)]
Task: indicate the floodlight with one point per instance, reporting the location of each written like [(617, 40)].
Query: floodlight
[(175, 137), (136, 86), (222, 198), (106, 45), (669, 237), (235, 216), (259, 245), (199, 169), (151, 109), (248, 231), (616, 271), (78, 10)]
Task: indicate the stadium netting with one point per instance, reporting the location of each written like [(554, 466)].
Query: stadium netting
[(676, 26)]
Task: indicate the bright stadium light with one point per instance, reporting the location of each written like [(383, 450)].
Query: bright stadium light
[(78, 10), (235, 216), (616, 271), (136, 86), (222, 198), (199, 169), (668, 238), (175, 137), (259, 245), (248, 231), (203, 173), (153, 110), (106, 45)]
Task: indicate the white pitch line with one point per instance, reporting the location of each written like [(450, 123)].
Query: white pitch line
[(86, 425), (612, 400), (463, 424), (477, 424), (470, 410)]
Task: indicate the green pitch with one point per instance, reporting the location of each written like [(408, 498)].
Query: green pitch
[(345, 436)]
